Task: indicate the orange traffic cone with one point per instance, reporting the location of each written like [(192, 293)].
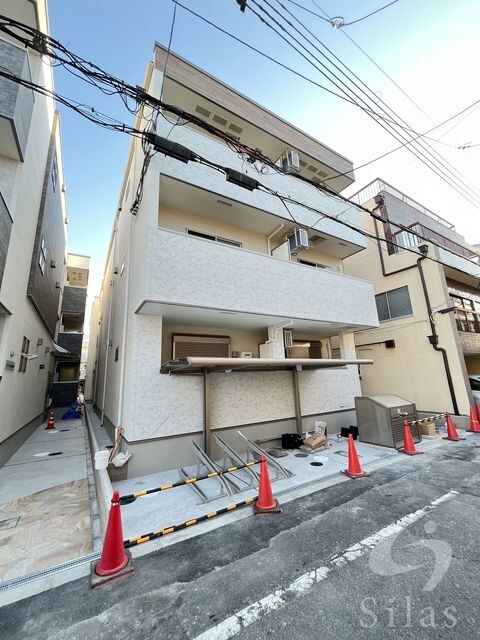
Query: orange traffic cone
[(452, 433), (115, 561), (474, 423), (354, 469), (51, 421), (408, 444), (265, 503)]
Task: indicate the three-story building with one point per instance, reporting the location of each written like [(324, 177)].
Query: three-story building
[(218, 302), (428, 302)]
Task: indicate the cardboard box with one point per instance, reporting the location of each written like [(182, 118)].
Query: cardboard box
[(427, 428)]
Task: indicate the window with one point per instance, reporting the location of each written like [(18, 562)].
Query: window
[(393, 304), (200, 345), (54, 172), (42, 258), (22, 367), (206, 236), (315, 264)]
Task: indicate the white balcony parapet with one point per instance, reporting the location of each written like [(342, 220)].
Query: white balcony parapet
[(206, 178), (182, 270)]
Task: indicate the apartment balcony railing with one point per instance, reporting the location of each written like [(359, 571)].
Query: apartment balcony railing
[(467, 321), (72, 341), (74, 300), (409, 240), (183, 270), (375, 187)]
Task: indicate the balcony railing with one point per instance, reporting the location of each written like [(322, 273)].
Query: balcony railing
[(374, 188), (409, 240), (467, 321)]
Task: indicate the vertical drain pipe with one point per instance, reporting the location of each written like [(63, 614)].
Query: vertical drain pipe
[(434, 337)]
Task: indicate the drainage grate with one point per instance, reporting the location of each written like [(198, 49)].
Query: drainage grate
[(50, 571), (315, 463), (56, 453), (9, 523)]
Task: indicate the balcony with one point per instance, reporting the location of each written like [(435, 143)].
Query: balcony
[(74, 300), (16, 102), (72, 342), (468, 325), (196, 273), (204, 178)]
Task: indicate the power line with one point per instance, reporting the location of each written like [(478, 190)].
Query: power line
[(423, 145), (387, 153), (112, 85), (271, 58), (389, 77), (338, 22), (419, 153), (347, 24), (415, 104)]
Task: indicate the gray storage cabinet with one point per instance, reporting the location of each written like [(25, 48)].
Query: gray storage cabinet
[(380, 420)]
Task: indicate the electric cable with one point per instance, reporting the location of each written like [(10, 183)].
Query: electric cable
[(451, 181)]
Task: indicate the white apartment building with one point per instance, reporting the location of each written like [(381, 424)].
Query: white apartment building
[(32, 233), (206, 303)]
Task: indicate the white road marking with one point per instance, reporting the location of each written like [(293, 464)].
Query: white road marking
[(229, 627)]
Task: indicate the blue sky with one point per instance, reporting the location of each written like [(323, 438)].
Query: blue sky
[(413, 41)]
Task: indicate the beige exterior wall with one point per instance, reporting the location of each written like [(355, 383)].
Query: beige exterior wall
[(413, 369)]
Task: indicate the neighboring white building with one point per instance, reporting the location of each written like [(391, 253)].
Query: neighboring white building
[(32, 233), (204, 269)]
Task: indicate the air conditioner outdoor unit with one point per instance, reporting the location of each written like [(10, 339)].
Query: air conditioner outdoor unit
[(298, 241), (291, 162)]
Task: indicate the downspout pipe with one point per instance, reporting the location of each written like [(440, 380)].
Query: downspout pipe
[(434, 337)]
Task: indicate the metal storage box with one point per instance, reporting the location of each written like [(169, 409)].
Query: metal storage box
[(380, 420)]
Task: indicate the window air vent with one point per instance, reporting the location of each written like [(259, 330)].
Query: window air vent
[(322, 173), (303, 164), (312, 168), (203, 111), (233, 127), (219, 120)]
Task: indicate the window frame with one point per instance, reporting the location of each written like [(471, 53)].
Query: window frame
[(396, 317), (42, 257), (214, 238)]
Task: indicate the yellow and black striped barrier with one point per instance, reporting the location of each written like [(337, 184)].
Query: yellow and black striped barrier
[(130, 497), (429, 419), (132, 542)]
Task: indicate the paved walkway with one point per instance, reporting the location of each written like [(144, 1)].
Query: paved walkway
[(44, 503)]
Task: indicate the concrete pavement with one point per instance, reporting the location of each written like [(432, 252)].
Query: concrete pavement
[(195, 588)]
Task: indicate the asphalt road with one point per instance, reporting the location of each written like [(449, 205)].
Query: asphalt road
[(394, 555)]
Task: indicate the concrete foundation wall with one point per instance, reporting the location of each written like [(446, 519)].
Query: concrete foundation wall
[(167, 453)]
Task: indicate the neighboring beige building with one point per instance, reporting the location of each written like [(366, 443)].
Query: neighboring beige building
[(206, 268), (67, 374), (428, 340), (32, 233)]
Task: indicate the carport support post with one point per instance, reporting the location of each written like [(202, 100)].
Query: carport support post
[(206, 413), (296, 397)]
